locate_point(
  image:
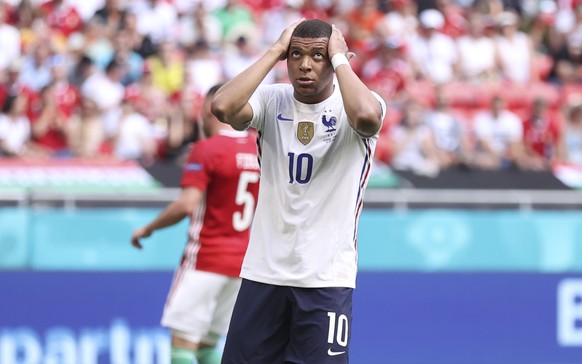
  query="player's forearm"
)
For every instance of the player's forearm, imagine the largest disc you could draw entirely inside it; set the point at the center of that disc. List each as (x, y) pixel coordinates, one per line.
(230, 100)
(363, 109)
(171, 215)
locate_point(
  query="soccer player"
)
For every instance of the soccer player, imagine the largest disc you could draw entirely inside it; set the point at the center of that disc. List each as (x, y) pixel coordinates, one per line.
(219, 192)
(316, 141)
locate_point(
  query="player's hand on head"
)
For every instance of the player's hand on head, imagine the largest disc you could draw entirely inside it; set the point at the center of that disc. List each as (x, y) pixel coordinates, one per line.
(337, 44)
(284, 40)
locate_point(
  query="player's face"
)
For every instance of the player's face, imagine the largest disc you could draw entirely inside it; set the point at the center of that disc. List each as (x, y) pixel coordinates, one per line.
(310, 71)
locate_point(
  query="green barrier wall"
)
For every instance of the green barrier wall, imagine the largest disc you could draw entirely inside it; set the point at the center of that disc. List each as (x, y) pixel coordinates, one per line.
(457, 240)
(86, 239)
(424, 240)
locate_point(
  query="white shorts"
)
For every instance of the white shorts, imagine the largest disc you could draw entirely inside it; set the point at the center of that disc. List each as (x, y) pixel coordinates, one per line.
(199, 305)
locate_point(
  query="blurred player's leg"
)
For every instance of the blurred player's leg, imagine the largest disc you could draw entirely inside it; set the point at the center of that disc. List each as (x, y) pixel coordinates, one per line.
(189, 314)
(182, 356)
(220, 321)
(210, 355)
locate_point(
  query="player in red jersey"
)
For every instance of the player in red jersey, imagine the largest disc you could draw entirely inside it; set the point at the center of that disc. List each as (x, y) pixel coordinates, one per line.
(219, 193)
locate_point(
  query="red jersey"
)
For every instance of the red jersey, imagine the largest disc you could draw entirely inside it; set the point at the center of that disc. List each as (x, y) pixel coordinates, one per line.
(541, 136)
(32, 97)
(68, 98)
(225, 166)
(65, 19)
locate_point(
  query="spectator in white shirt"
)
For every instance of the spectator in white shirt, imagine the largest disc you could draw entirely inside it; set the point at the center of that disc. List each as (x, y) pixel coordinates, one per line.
(242, 54)
(198, 25)
(36, 67)
(15, 129)
(107, 92)
(9, 41)
(155, 18)
(514, 50)
(433, 54)
(499, 135)
(476, 52)
(276, 19)
(450, 134)
(402, 21)
(413, 144)
(135, 137)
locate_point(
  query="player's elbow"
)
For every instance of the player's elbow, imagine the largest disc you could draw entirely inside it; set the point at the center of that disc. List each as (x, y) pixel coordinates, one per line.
(219, 109)
(367, 124)
(182, 208)
(227, 114)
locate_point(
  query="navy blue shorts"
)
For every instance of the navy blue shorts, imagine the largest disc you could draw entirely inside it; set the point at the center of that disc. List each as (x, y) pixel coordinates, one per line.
(279, 324)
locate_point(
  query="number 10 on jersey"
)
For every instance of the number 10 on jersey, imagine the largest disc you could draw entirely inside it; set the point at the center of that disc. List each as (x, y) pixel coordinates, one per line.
(300, 167)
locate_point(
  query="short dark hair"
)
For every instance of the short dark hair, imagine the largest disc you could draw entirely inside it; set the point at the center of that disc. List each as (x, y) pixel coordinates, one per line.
(312, 28)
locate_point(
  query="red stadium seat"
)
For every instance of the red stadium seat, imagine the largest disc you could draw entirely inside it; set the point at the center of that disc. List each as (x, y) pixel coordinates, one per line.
(459, 94)
(547, 91)
(393, 116)
(422, 92)
(485, 92)
(516, 96)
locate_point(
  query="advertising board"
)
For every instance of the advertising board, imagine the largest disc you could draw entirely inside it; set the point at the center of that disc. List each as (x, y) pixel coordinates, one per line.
(399, 318)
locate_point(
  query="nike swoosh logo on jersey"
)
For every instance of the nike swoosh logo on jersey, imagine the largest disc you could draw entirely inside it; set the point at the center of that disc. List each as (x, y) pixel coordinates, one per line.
(280, 117)
(334, 353)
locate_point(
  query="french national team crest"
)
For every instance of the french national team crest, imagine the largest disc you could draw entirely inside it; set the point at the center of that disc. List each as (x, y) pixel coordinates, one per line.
(305, 132)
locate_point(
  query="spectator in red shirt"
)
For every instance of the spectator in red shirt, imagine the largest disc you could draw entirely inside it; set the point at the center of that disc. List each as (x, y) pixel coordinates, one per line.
(12, 85)
(541, 133)
(63, 18)
(312, 10)
(455, 21)
(67, 95)
(388, 71)
(49, 129)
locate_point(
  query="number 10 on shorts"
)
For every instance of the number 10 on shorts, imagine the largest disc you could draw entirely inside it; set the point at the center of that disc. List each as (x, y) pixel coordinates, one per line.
(338, 329)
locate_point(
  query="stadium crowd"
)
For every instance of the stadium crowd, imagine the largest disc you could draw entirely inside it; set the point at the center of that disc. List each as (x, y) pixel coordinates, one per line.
(487, 84)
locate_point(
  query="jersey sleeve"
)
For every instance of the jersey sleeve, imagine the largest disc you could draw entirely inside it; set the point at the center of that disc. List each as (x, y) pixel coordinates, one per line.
(382, 106)
(195, 172)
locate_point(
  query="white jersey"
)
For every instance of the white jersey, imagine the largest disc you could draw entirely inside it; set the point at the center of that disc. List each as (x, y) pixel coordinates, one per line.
(314, 169)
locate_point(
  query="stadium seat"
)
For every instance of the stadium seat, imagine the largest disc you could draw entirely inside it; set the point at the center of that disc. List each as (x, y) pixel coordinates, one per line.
(516, 96)
(459, 94)
(484, 93)
(422, 92)
(393, 117)
(546, 91)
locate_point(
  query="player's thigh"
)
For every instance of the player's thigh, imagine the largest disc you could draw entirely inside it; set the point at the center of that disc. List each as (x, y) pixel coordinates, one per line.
(259, 327)
(321, 326)
(191, 302)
